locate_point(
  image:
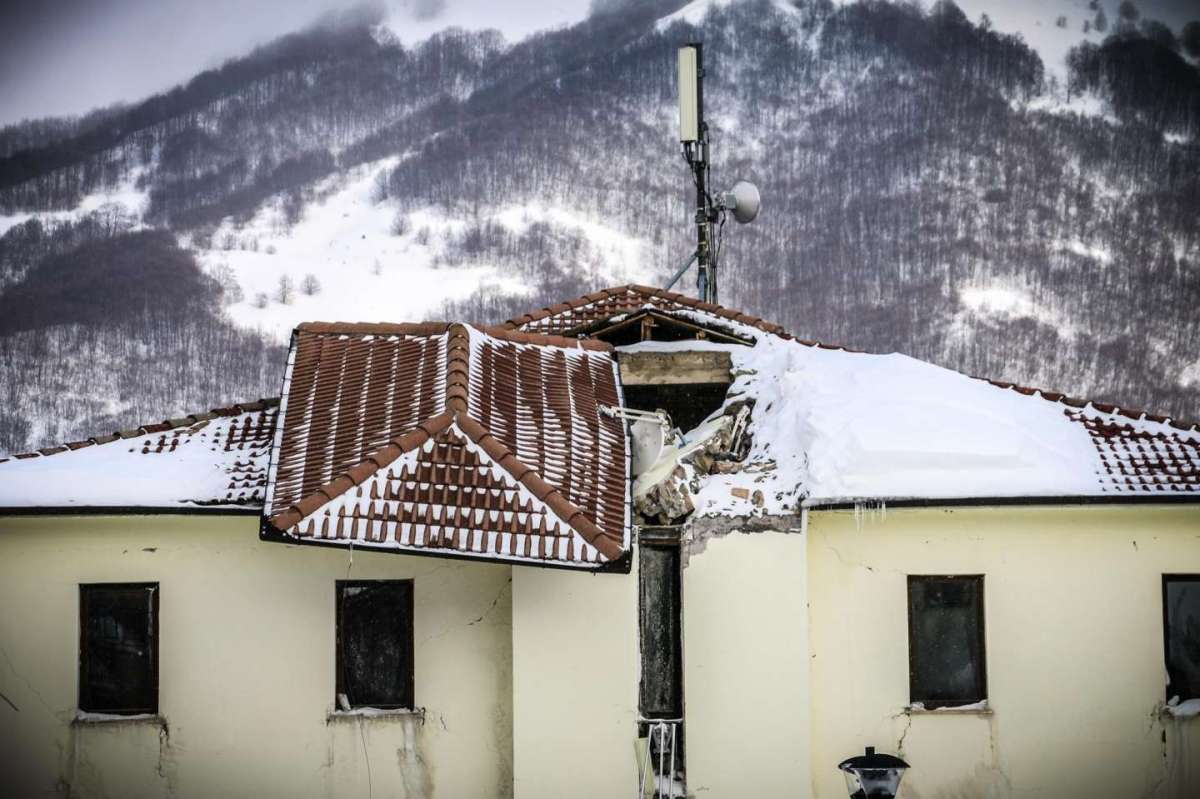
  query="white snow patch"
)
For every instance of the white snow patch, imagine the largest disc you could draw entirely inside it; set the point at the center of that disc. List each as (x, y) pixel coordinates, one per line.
(1086, 104)
(695, 12)
(1190, 375)
(124, 198)
(1035, 21)
(1101, 254)
(1013, 301)
(85, 717)
(365, 271)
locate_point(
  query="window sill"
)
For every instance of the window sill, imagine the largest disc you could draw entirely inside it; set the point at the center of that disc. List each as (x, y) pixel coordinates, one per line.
(974, 709)
(381, 714)
(150, 719)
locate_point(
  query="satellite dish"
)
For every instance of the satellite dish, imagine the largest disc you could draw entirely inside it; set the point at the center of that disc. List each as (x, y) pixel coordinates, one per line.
(649, 438)
(744, 200)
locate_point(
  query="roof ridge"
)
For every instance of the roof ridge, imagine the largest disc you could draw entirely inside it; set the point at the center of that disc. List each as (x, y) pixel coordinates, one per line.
(522, 337)
(375, 328)
(458, 368)
(355, 475)
(777, 330)
(154, 427)
(529, 477)
(1060, 398)
(442, 328)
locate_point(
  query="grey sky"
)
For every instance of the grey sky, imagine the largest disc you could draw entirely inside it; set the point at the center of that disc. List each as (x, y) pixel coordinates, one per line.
(70, 56)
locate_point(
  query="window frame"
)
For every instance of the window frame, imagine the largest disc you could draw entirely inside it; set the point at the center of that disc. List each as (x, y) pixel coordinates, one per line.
(83, 698)
(1183, 577)
(981, 667)
(409, 685)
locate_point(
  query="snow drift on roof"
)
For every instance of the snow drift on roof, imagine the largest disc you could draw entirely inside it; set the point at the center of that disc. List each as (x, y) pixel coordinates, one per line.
(831, 425)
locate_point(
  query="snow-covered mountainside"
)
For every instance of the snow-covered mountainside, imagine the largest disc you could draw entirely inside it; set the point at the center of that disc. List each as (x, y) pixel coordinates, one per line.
(1020, 206)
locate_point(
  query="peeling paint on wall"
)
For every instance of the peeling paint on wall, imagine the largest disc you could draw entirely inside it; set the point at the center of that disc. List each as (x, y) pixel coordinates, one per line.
(698, 532)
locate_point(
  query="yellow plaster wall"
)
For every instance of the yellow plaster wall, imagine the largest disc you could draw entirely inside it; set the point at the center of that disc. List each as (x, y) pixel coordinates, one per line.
(246, 668)
(745, 659)
(1073, 618)
(575, 683)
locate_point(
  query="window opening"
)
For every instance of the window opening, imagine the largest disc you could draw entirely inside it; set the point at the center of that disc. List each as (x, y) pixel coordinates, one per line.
(118, 648)
(374, 644)
(946, 641)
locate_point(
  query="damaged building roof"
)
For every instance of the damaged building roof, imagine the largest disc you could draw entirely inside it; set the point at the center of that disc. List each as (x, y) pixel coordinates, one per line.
(451, 439)
(833, 425)
(490, 442)
(216, 460)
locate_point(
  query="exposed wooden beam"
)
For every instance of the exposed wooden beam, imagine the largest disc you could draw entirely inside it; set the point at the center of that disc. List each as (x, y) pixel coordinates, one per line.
(673, 368)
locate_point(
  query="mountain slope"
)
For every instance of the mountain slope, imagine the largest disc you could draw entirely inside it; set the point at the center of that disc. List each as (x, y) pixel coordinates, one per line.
(927, 188)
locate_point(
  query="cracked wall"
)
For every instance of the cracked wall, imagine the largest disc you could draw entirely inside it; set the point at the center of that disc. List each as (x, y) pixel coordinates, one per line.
(1073, 624)
(246, 668)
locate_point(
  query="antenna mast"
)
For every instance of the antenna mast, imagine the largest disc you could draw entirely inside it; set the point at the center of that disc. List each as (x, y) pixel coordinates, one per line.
(742, 200)
(693, 133)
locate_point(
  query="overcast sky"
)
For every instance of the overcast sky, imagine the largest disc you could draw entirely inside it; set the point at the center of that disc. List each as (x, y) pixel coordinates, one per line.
(70, 56)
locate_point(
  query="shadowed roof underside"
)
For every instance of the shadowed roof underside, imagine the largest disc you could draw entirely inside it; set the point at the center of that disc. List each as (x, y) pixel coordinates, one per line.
(451, 439)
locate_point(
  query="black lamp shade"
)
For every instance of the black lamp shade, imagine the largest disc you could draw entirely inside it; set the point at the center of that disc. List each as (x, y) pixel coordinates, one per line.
(873, 775)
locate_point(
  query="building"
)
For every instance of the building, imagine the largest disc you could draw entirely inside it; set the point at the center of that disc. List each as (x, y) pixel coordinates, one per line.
(456, 561)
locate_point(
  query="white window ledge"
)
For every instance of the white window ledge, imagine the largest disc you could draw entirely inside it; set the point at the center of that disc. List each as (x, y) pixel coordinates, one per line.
(382, 714)
(974, 709)
(151, 719)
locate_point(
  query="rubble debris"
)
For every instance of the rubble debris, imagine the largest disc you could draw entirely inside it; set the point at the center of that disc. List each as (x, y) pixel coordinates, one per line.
(663, 491)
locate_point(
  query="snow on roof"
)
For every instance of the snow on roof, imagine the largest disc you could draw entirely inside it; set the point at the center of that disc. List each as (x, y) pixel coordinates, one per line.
(521, 409)
(832, 425)
(216, 459)
(451, 439)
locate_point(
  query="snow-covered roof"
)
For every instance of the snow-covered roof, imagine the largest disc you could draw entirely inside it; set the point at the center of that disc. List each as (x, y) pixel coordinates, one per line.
(451, 439)
(215, 460)
(833, 426)
(519, 410)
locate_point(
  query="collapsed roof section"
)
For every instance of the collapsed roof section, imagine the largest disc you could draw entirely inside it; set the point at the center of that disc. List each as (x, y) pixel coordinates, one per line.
(834, 425)
(452, 440)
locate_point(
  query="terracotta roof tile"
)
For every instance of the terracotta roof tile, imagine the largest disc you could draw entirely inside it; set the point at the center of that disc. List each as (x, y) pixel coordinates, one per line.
(1146, 456)
(482, 441)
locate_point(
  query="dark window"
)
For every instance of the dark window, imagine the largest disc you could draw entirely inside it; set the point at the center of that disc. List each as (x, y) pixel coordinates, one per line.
(945, 641)
(661, 643)
(1181, 634)
(375, 643)
(118, 648)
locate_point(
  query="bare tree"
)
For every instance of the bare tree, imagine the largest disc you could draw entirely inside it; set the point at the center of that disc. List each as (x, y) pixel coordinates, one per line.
(285, 290)
(401, 225)
(310, 285)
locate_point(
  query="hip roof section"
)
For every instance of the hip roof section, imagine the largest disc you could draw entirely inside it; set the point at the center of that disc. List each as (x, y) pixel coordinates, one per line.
(448, 438)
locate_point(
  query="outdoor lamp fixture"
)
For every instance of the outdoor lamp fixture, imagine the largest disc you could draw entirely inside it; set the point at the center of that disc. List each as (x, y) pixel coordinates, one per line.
(873, 776)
